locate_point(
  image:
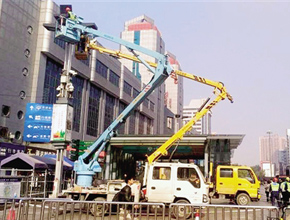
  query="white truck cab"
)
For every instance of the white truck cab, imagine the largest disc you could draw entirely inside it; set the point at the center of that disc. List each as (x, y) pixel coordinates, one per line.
(175, 183)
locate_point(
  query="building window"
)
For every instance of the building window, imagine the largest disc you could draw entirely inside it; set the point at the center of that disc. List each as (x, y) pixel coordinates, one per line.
(60, 43)
(169, 122)
(132, 123)
(6, 111)
(135, 67)
(17, 136)
(149, 125)
(109, 111)
(146, 103)
(114, 78)
(86, 62)
(25, 71)
(152, 106)
(51, 81)
(29, 29)
(27, 53)
(78, 84)
(121, 129)
(127, 88)
(20, 114)
(135, 93)
(101, 69)
(22, 94)
(93, 111)
(141, 123)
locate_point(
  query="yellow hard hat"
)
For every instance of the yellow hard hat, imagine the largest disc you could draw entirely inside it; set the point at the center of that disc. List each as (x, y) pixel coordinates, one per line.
(287, 178)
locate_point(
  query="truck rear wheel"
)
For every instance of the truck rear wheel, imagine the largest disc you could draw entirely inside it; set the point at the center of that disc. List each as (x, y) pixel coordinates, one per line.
(182, 211)
(98, 209)
(243, 199)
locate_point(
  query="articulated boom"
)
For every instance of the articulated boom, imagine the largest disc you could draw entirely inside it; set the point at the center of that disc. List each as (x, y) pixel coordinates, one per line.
(221, 95)
(71, 31)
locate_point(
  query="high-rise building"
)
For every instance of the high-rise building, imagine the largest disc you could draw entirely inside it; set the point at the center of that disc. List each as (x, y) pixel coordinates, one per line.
(174, 93)
(19, 21)
(202, 126)
(270, 145)
(142, 31)
(288, 151)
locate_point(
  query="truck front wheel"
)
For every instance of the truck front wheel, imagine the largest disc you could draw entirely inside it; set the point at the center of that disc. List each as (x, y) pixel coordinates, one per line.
(243, 199)
(98, 209)
(182, 211)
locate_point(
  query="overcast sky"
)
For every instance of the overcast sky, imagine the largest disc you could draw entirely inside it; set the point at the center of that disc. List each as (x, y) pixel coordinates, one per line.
(245, 45)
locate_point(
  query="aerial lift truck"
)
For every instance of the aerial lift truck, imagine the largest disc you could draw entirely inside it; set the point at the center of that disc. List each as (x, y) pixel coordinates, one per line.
(87, 165)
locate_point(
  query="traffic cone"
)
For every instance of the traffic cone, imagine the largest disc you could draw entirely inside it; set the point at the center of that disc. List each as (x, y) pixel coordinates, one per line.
(196, 215)
(11, 214)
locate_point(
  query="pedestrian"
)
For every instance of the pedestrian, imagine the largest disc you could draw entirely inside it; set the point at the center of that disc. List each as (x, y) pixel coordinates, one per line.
(274, 190)
(267, 189)
(285, 189)
(125, 195)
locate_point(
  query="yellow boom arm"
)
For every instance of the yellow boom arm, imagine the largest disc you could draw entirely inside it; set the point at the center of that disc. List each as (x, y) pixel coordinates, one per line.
(219, 90)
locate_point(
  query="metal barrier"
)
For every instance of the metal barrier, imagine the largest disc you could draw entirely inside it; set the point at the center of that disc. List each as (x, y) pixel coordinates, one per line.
(285, 213)
(63, 209)
(33, 184)
(100, 210)
(223, 212)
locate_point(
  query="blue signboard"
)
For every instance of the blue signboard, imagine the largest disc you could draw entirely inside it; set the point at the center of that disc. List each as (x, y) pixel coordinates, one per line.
(37, 125)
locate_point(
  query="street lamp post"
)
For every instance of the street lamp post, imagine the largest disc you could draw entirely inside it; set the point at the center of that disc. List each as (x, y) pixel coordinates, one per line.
(64, 98)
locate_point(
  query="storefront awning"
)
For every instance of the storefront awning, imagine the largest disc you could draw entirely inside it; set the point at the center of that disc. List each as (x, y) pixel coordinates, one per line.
(25, 161)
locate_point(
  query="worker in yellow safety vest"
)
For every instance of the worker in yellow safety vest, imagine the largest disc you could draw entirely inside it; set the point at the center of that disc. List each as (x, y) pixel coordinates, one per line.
(274, 190)
(70, 14)
(285, 189)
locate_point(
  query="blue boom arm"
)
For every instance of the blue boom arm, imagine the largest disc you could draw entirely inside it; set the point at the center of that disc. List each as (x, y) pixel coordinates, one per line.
(70, 31)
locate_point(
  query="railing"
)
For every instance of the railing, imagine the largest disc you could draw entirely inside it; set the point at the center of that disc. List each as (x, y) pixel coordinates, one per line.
(223, 212)
(60, 209)
(32, 183)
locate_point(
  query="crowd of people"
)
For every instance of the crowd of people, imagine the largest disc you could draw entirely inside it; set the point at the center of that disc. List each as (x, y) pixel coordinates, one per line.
(278, 191)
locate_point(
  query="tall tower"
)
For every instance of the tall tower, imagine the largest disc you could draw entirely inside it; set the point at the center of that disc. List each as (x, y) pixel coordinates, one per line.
(288, 151)
(270, 145)
(142, 31)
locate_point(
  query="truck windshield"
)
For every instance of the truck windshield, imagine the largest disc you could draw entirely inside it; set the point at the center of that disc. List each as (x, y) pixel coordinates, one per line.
(246, 174)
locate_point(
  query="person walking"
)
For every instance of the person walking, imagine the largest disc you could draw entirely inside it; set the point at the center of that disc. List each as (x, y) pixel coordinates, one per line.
(274, 190)
(285, 189)
(125, 195)
(267, 190)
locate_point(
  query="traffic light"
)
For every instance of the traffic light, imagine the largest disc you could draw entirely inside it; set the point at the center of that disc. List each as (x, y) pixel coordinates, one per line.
(74, 152)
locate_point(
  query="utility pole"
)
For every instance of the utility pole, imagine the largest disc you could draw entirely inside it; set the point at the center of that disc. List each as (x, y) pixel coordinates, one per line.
(65, 101)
